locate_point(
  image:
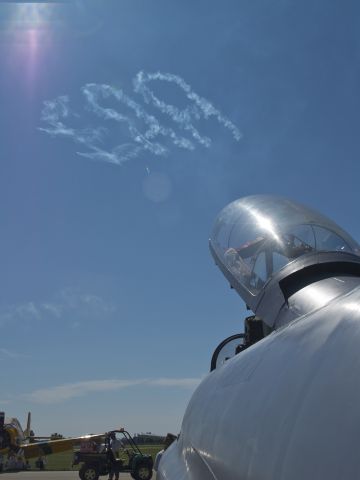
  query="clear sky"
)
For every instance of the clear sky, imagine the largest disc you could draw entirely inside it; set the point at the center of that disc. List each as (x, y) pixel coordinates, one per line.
(126, 125)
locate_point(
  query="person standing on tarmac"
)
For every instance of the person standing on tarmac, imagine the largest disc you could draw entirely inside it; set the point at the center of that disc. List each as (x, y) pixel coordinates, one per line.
(115, 445)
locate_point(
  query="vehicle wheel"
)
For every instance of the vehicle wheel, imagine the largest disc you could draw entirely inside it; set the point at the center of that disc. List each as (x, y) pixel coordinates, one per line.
(142, 472)
(88, 472)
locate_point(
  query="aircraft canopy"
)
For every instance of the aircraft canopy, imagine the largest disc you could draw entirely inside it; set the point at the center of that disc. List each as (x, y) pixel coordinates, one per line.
(256, 236)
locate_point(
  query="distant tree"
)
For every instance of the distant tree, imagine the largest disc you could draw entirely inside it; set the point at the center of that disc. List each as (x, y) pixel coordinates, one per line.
(56, 436)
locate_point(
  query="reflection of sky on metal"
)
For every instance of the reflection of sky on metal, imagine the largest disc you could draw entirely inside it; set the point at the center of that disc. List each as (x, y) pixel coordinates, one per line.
(353, 307)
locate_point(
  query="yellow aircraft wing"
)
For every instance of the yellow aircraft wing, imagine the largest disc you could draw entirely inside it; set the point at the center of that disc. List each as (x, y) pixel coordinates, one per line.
(37, 449)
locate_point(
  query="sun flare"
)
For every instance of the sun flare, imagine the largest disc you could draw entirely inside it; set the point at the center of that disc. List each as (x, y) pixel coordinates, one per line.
(32, 15)
(29, 27)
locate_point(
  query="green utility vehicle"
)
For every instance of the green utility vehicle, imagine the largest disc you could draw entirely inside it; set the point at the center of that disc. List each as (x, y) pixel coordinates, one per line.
(101, 460)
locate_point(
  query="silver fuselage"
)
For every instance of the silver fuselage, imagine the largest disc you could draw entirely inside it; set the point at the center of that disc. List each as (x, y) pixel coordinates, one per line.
(287, 408)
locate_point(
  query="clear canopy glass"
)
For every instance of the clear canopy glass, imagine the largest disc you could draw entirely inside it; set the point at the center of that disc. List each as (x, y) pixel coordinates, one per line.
(256, 236)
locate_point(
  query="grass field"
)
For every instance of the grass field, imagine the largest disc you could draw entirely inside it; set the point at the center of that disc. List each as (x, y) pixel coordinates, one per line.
(63, 461)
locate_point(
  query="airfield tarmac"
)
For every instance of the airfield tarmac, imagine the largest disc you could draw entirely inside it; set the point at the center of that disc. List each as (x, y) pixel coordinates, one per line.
(51, 475)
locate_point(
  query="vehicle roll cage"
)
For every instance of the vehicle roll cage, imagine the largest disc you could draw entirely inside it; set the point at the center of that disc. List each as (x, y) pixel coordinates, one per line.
(127, 436)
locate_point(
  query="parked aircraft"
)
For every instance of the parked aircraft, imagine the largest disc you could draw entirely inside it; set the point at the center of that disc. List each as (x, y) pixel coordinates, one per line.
(11, 432)
(14, 439)
(285, 406)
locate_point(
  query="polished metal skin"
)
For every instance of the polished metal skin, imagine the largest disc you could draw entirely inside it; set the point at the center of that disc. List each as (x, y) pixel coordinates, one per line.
(286, 408)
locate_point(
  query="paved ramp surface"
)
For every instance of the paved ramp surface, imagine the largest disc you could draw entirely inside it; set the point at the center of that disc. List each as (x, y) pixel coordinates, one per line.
(48, 475)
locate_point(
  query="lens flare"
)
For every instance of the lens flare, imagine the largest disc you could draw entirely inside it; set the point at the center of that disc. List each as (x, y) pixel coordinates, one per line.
(33, 14)
(29, 29)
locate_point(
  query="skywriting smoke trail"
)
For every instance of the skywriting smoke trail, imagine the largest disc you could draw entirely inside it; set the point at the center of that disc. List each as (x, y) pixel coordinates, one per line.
(144, 132)
(201, 107)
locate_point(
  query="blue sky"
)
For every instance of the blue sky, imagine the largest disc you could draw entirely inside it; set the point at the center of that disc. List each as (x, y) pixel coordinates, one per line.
(125, 127)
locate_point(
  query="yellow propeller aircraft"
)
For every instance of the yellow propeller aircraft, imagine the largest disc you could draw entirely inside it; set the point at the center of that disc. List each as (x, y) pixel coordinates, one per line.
(14, 439)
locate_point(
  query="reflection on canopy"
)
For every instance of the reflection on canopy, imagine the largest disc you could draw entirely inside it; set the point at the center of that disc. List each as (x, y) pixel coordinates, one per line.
(256, 236)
